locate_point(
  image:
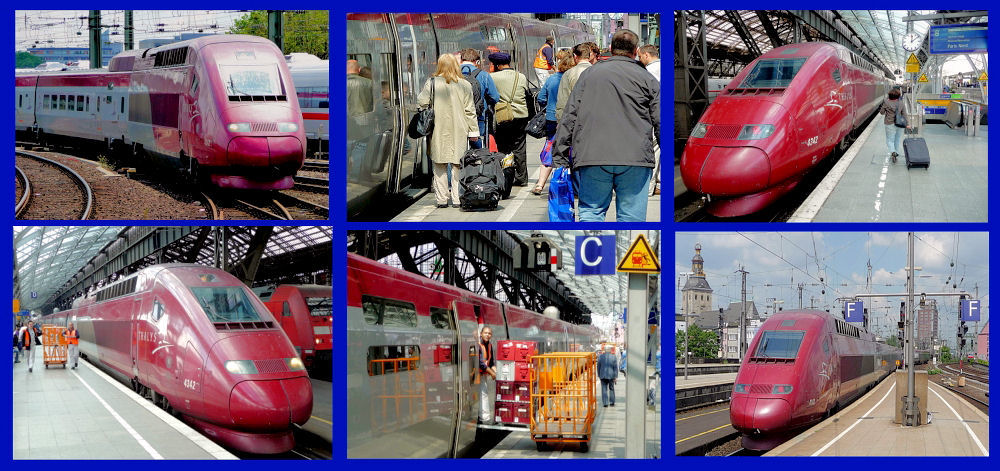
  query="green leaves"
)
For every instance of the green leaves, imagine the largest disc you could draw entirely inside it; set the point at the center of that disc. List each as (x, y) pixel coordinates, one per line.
(701, 343)
(305, 31)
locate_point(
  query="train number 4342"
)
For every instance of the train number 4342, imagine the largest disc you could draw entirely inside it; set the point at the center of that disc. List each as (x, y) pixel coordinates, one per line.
(191, 384)
(811, 141)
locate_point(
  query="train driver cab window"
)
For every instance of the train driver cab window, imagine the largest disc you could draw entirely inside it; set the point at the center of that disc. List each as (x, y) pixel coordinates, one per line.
(250, 80)
(441, 318)
(320, 307)
(225, 303)
(779, 344)
(773, 73)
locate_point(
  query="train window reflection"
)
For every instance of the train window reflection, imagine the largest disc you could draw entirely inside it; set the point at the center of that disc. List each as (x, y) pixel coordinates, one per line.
(313, 97)
(441, 318)
(779, 344)
(388, 312)
(246, 80)
(386, 359)
(772, 73)
(225, 304)
(320, 306)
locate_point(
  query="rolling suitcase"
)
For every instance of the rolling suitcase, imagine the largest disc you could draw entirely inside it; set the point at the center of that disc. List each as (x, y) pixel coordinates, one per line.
(915, 149)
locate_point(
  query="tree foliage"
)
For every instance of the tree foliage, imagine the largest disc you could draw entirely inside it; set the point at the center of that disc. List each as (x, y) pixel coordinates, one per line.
(701, 343)
(892, 341)
(26, 60)
(946, 355)
(305, 31)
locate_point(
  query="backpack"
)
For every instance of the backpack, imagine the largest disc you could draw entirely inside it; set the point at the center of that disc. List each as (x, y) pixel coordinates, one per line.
(477, 92)
(481, 179)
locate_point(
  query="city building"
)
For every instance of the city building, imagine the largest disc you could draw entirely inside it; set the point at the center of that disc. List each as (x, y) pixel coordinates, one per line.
(927, 323)
(696, 295)
(67, 55)
(983, 343)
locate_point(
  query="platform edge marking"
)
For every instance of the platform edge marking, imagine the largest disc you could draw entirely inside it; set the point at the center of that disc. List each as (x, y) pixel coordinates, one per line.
(972, 434)
(856, 422)
(128, 428)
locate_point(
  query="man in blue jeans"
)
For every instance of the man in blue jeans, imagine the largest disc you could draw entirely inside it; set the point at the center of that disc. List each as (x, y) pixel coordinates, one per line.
(606, 133)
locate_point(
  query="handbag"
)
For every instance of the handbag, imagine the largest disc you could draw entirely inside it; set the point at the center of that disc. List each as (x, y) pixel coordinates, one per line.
(536, 126)
(901, 121)
(561, 196)
(504, 110)
(422, 122)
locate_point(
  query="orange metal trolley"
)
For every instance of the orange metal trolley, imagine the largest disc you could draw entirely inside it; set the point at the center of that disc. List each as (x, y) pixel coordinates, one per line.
(563, 399)
(53, 345)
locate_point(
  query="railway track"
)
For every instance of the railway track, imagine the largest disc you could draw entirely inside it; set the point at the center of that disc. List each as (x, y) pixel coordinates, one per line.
(316, 165)
(299, 208)
(312, 184)
(226, 207)
(971, 375)
(47, 196)
(23, 192)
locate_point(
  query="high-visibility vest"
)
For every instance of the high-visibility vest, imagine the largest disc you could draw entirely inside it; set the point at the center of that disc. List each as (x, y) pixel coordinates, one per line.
(487, 354)
(540, 61)
(72, 338)
(27, 338)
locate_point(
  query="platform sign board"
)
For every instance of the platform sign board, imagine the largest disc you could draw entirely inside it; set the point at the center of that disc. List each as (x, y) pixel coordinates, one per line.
(958, 39)
(970, 310)
(639, 258)
(595, 255)
(912, 64)
(17, 305)
(923, 78)
(854, 311)
(982, 77)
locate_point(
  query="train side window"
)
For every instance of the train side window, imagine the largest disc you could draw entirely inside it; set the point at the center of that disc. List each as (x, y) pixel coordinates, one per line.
(194, 85)
(62, 102)
(71, 103)
(484, 33)
(826, 345)
(836, 74)
(87, 107)
(79, 102)
(157, 310)
(372, 308)
(107, 99)
(441, 318)
(20, 101)
(398, 314)
(387, 359)
(122, 104)
(285, 310)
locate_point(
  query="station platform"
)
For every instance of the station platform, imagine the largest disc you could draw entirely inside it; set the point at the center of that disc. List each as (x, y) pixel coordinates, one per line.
(866, 428)
(608, 440)
(522, 205)
(706, 368)
(866, 186)
(695, 381)
(85, 414)
(320, 423)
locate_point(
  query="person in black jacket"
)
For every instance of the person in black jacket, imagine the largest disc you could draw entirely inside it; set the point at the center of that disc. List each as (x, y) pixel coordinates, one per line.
(610, 123)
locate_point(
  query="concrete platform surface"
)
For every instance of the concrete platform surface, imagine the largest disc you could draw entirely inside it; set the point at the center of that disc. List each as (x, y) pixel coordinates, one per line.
(703, 380)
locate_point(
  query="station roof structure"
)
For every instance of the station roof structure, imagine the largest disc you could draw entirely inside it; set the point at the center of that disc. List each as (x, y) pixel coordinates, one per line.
(880, 31)
(46, 257)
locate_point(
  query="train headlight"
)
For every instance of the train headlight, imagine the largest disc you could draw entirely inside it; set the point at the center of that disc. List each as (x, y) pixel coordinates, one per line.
(699, 130)
(288, 127)
(781, 389)
(741, 388)
(239, 127)
(241, 367)
(294, 364)
(755, 131)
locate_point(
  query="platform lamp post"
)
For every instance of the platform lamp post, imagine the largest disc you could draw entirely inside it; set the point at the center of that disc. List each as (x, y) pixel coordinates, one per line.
(687, 327)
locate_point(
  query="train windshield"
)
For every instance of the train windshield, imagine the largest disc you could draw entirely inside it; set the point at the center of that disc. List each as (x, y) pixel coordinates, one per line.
(773, 73)
(249, 80)
(320, 306)
(779, 344)
(225, 304)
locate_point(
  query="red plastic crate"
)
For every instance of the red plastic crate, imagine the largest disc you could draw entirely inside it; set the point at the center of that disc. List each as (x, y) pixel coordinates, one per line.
(522, 413)
(522, 371)
(525, 349)
(522, 391)
(504, 412)
(442, 353)
(505, 390)
(507, 350)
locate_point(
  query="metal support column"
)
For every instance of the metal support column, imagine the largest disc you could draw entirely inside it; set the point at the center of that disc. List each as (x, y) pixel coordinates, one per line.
(910, 408)
(94, 24)
(129, 31)
(276, 28)
(635, 380)
(690, 74)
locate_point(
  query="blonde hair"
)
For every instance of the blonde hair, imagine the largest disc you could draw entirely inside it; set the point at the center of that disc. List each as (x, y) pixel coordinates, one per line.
(447, 67)
(565, 60)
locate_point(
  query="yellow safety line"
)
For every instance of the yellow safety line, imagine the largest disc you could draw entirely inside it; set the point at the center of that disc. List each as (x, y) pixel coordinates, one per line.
(706, 413)
(702, 433)
(321, 420)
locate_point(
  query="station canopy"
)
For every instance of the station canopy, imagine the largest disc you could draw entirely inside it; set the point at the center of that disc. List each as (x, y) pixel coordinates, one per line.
(45, 257)
(881, 30)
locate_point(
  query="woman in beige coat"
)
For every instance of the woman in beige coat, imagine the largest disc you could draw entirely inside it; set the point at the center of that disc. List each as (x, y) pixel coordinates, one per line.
(455, 125)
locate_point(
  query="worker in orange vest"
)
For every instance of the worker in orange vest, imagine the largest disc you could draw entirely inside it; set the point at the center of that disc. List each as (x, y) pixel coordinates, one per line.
(545, 60)
(72, 337)
(27, 339)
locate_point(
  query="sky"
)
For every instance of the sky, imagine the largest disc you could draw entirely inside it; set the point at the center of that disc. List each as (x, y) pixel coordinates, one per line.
(835, 264)
(62, 26)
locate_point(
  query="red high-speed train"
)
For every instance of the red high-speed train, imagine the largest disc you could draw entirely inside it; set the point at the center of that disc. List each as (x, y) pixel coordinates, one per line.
(221, 108)
(801, 367)
(197, 342)
(306, 315)
(411, 359)
(775, 120)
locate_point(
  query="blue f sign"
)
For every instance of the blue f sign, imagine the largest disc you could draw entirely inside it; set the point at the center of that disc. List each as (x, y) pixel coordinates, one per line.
(854, 311)
(595, 255)
(970, 310)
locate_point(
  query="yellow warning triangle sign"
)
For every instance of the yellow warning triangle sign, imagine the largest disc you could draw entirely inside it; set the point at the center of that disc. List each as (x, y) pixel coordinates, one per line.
(912, 60)
(639, 258)
(923, 78)
(982, 77)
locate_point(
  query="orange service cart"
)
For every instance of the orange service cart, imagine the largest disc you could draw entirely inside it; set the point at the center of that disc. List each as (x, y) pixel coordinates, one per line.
(54, 345)
(563, 398)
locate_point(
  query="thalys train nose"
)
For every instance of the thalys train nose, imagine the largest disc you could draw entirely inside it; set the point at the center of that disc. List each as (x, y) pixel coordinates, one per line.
(271, 404)
(763, 414)
(725, 171)
(271, 151)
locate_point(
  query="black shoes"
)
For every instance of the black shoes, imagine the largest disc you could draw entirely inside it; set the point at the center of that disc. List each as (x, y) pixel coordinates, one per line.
(442, 205)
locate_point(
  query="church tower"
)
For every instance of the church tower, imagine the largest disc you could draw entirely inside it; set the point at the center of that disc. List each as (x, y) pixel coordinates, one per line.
(696, 296)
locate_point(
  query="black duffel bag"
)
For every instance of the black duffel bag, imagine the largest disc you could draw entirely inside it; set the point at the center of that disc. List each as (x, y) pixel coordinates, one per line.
(536, 126)
(422, 123)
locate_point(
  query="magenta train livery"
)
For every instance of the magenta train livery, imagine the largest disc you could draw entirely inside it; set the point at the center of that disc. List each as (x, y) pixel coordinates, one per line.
(801, 367)
(775, 120)
(196, 341)
(411, 359)
(222, 108)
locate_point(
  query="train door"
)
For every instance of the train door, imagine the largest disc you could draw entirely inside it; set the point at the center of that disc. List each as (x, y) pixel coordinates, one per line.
(107, 117)
(138, 333)
(467, 318)
(417, 55)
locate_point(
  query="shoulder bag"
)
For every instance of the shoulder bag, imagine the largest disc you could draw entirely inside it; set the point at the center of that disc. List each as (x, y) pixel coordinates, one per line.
(422, 122)
(504, 110)
(900, 116)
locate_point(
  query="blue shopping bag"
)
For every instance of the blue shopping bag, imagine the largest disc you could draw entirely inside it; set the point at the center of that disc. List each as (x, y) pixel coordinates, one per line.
(546, 155)
(561, 196)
